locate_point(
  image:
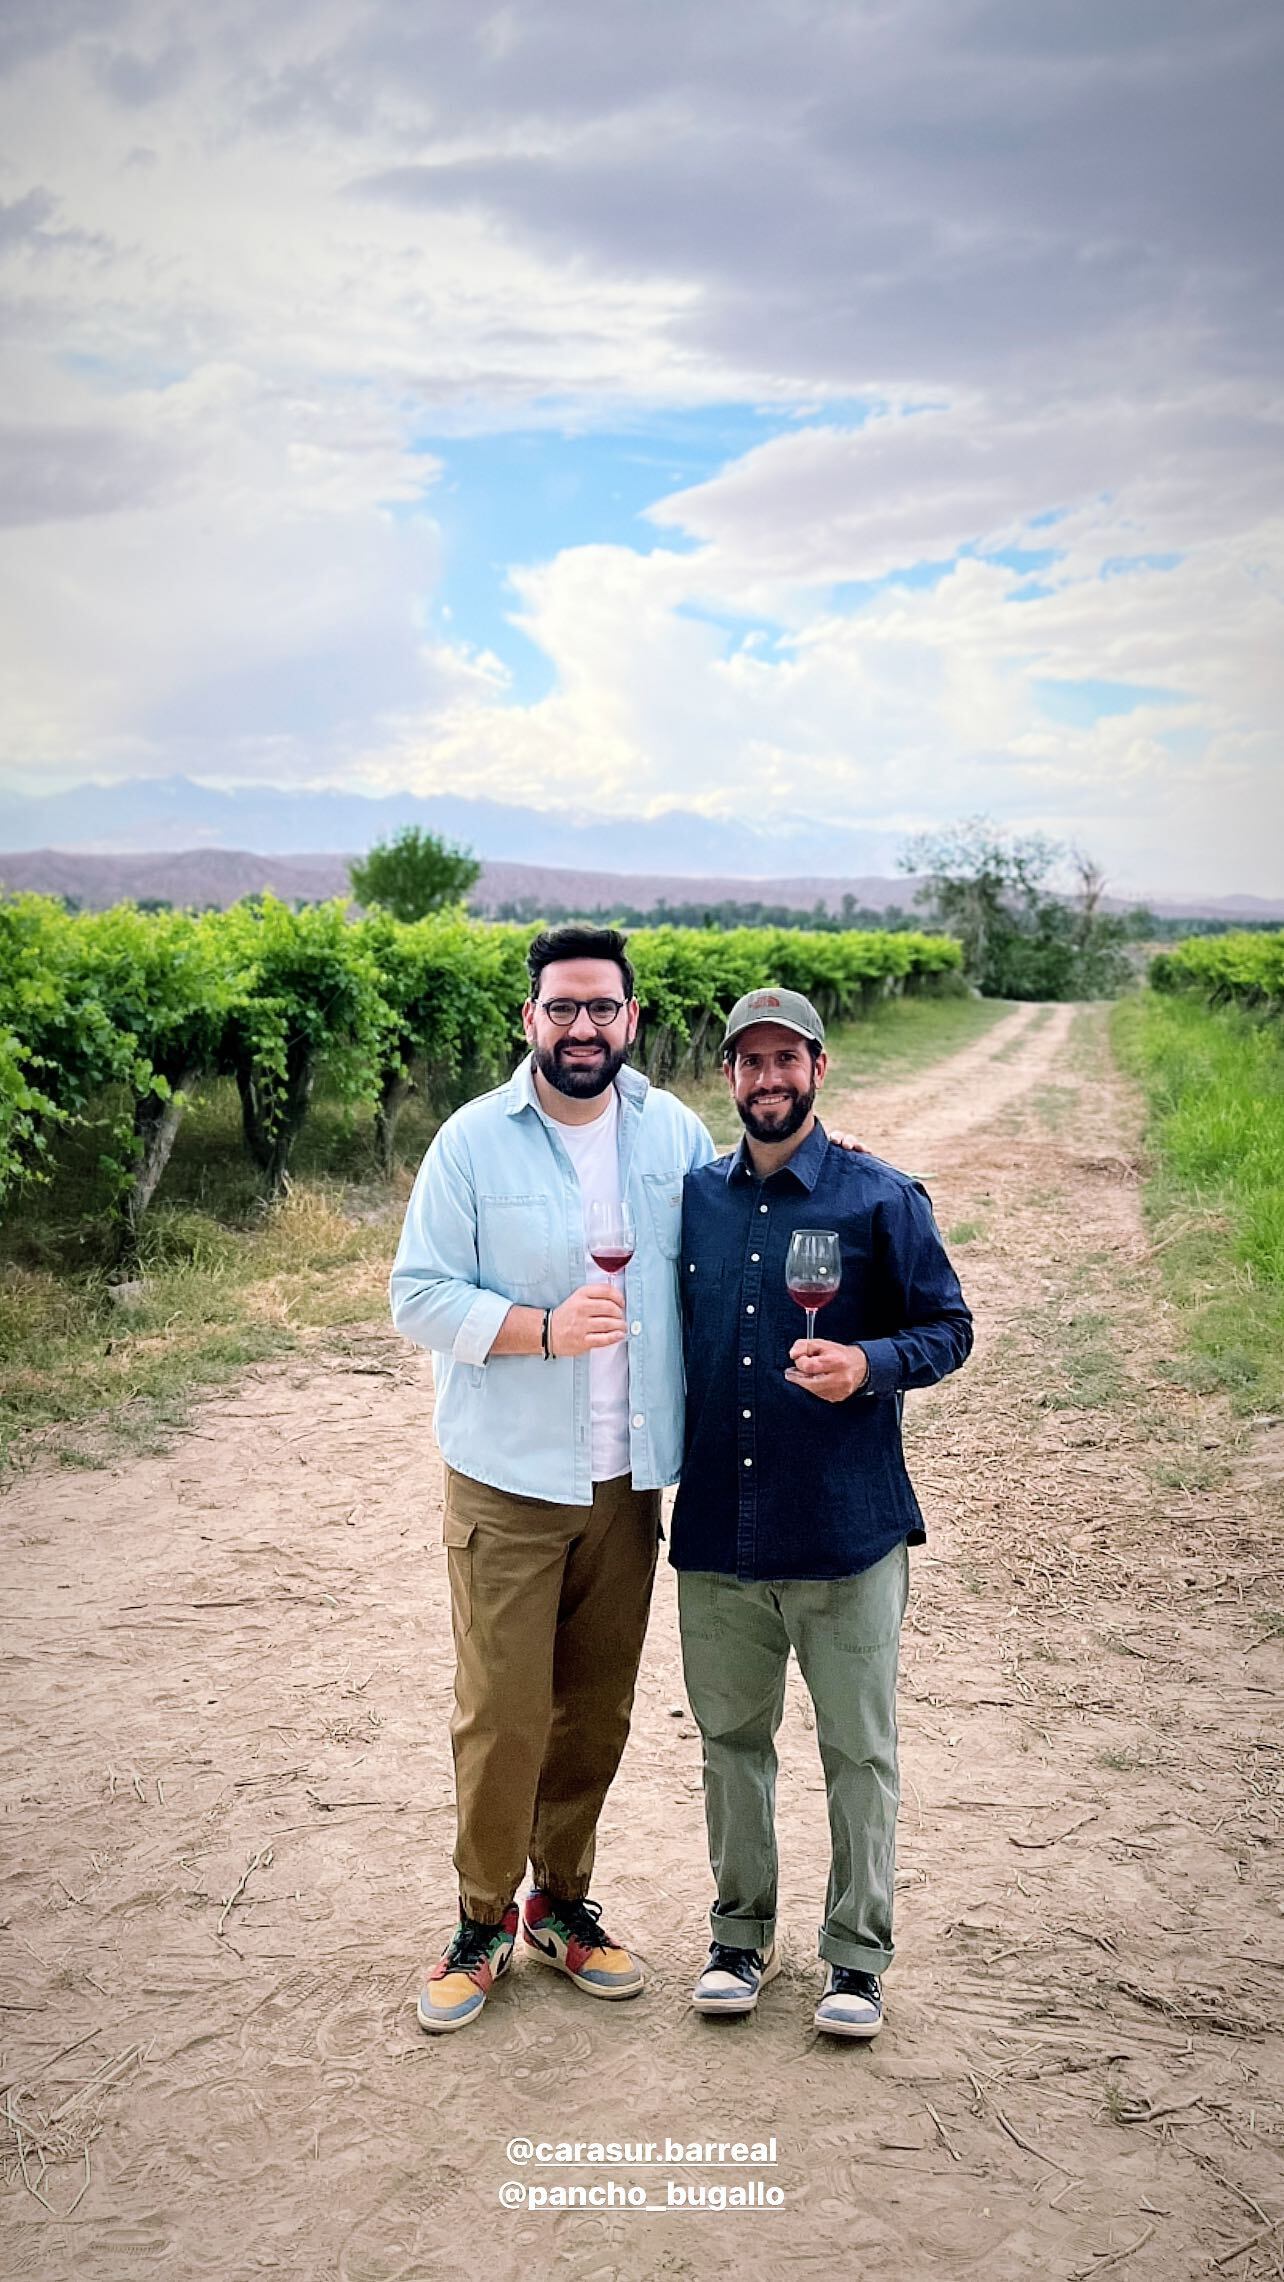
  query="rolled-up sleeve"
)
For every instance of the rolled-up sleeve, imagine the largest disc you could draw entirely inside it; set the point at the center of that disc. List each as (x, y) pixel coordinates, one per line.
(924, 1296)
(436, 1292)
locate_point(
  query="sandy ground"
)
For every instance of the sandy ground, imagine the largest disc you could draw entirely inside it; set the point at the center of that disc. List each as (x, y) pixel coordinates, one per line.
(227, 1814)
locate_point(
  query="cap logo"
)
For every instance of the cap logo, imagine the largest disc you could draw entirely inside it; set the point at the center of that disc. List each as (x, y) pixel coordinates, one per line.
(764, 998)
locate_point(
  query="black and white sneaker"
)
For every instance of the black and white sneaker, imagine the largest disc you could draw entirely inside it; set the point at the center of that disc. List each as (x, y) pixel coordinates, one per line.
(852, 2003)
(732, 1979)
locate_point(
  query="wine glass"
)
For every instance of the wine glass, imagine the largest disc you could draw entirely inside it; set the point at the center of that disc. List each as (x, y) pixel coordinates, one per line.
(612, 1237)
(813, 1270)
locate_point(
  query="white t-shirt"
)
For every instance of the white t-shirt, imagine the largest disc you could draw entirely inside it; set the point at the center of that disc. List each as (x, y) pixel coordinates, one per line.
(594, 1150)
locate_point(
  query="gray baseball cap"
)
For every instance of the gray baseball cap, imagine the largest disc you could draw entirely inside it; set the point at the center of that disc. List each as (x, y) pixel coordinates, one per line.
(787, 1007)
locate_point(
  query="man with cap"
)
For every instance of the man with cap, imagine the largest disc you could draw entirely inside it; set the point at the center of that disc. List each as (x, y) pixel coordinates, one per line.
(795, 1512)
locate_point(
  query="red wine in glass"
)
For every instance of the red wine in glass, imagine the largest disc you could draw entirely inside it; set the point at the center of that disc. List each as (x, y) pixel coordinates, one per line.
(612, 1238)
(813, 1296)
(813, 1270)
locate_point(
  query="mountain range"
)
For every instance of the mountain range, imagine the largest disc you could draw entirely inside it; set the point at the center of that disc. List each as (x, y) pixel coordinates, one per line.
(191, 844)
(160, 813)
(198, 878)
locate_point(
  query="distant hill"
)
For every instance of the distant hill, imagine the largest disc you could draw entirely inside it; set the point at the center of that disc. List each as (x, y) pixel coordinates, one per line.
(176, 813)
(198, 878)
(192, 877)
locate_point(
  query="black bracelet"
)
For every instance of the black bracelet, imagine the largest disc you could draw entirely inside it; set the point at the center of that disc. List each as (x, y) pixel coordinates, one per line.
(549, 1356)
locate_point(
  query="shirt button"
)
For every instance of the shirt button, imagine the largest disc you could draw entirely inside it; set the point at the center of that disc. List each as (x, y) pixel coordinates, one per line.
(746, 1414)
(747, 1361)
(691, 1268)
(748, 1461)
(762, 1208)
(755, 1255)
(639, 1418)
(749, 1309)
(635, 1328)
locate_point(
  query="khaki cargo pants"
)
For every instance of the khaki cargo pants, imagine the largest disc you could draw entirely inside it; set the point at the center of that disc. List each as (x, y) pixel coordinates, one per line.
(549, 1607)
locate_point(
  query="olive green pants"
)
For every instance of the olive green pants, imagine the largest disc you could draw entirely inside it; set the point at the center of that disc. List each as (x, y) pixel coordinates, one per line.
(845, 1632)
(549, 1608)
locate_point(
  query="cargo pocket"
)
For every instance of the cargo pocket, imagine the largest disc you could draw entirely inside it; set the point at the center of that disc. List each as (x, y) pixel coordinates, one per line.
(457, 1536)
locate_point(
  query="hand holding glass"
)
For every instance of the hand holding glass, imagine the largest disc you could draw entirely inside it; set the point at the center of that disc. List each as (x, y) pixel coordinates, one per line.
(612, 1238)
(813, 1270)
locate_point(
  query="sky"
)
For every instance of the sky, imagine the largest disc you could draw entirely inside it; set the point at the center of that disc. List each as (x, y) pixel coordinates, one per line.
(866, 410)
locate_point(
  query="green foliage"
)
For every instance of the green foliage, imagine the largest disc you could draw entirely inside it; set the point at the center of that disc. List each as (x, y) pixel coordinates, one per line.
(59, 1045)
(1020, 940)
(1214, 1082)
(413, 874)
(732, 912)
(1145, 927)
(689, 978)
(307, 988)
(127, 1012)
(1242, 969)
(451, 988)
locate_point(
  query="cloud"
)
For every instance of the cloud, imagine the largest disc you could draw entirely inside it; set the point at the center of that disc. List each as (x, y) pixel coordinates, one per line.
(1002, 281)
(60, 474)
(830, 504)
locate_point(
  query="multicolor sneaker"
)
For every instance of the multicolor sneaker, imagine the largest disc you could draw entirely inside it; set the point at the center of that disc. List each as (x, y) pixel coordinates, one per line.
(732, 1978)
(571, 1936)
(466, 1972)
(852, 2003)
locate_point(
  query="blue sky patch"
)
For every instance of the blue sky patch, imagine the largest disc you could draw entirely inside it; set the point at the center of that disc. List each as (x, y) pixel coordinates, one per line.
(1126, 566)
(520, 497)
(1078, 704)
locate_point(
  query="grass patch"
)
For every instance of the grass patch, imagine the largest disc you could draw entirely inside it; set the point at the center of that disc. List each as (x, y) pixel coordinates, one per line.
(1191, 1472)
(1054, 1105)
(226, 1283)
(1214, 1086)
(1080, 1348)
(964, 1232)
(1018, 1045)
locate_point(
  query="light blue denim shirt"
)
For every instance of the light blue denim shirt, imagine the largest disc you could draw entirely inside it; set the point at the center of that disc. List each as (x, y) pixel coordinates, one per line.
(496, 1219)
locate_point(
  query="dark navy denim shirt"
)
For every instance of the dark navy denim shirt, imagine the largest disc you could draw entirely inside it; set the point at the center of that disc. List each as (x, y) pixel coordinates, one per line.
(775, 1482)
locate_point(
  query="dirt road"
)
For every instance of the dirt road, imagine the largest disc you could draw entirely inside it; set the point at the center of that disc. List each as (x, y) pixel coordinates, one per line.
(228, 1814)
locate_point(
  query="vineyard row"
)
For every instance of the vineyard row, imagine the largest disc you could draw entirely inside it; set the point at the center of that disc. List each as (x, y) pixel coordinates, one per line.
(1244, 970)
(128, 1011)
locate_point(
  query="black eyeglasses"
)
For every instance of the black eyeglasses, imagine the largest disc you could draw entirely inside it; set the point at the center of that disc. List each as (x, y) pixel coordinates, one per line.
(563, 1011)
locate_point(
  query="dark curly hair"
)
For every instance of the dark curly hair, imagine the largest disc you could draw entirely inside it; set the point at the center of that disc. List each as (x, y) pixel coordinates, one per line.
(578, 940)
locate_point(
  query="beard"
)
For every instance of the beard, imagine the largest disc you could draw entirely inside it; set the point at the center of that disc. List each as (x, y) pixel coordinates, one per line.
(580, 1081)
(780, 1124)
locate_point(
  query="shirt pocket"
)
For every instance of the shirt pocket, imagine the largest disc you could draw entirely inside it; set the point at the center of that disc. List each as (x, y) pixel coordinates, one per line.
(514, 1242)
(663, 1192)
(700, 1277)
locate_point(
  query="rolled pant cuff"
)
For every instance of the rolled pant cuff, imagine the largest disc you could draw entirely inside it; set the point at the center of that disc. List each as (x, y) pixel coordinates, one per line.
(743, 1933)
(484, 1907)
(558, 1889)
(858, 1956)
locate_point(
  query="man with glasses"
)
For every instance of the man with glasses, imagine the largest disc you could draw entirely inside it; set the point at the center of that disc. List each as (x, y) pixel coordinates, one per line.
(559, 1416)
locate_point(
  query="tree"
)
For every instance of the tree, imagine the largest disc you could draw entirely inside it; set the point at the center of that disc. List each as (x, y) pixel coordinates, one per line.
(1020, 938)
(413, 873)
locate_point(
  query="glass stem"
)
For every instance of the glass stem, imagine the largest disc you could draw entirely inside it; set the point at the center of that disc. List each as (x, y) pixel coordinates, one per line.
(811, 1323)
